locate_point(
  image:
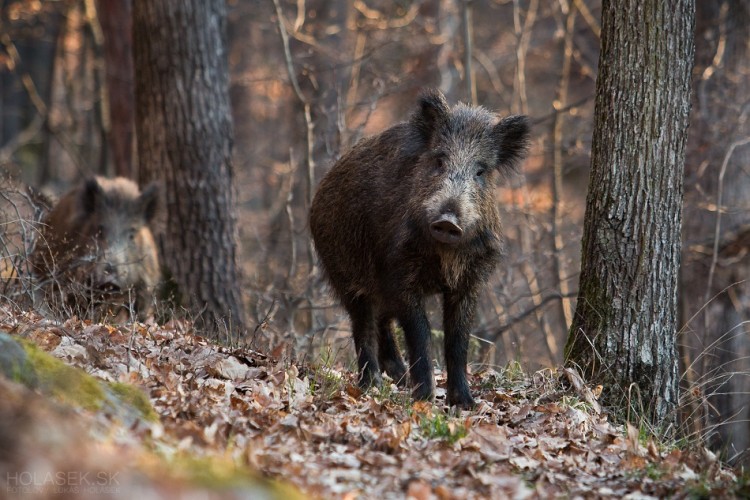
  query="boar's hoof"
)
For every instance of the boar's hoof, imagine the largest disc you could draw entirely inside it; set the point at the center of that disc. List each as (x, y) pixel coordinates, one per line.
(423, 392)
(370, 378)
(396, 370)
(446, 230)
(461, 399)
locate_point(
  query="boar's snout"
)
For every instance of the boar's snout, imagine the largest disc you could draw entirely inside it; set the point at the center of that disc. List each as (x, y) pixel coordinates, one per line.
(445, 229)
(110, 272)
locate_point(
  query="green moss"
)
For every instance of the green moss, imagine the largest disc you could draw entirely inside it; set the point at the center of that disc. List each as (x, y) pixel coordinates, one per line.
(219, 473)
(68, 384)
(654, 471)
(75, 387)
(593, 316)
(439, 426)
(14, 362)
(135, 398)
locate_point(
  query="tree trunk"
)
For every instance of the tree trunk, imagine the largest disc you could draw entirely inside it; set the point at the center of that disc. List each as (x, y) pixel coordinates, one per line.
(184, 132)
(116, 19)
(624, 329)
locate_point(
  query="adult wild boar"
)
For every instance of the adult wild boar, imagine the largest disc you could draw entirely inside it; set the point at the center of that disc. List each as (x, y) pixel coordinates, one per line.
(96, 251)
(409, 213)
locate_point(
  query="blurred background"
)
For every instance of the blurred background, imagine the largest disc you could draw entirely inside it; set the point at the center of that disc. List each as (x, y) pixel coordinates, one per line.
(66, 81)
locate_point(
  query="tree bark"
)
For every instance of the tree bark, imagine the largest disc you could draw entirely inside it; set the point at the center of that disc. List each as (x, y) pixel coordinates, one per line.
(116, 19)
(184, 131)
(624, 329)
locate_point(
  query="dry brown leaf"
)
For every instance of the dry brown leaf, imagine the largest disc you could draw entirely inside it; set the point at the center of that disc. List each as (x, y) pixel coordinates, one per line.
(524, 462)
(633, 440)
(653, 451)
(229, 368)
(419, 490)
(443, 492)
(422, 407)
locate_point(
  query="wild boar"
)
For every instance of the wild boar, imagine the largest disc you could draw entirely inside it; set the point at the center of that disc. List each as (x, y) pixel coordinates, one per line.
(96, 250)
(409, 213)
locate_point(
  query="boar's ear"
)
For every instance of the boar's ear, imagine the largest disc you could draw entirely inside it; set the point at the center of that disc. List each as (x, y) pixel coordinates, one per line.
(90, 195)
(149, 200)
(511, 137)
(433, 110)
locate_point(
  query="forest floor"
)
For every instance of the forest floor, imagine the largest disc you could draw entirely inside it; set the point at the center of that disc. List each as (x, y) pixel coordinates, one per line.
(235, 423)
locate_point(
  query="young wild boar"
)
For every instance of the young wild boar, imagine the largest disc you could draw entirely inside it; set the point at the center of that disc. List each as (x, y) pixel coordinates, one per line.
(96, 251)
(412, 212)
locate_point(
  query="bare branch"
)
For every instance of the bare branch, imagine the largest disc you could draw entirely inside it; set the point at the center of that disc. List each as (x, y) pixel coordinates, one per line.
(471, 90)
(308, 117)
(719, 211)
(557, 177)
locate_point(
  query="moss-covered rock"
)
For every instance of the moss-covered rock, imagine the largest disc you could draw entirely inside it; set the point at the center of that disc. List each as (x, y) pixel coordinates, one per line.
(65, 383)
(134, 398)
(216, 473)
(75, 387)
(14, 363)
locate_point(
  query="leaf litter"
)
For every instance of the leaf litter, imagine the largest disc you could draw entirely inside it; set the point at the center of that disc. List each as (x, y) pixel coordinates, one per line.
(537, 436)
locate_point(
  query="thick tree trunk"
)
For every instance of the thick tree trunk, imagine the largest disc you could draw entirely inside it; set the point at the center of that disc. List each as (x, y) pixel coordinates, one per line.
(624, 329)
(184, 131)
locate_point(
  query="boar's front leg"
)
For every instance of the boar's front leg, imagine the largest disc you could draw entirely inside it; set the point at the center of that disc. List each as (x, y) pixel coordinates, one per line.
(418, 339)
(365, 341)
(458, 316)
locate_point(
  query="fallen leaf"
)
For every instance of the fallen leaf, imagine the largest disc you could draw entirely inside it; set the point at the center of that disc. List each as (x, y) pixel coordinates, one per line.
(229, 368)
(419, 490)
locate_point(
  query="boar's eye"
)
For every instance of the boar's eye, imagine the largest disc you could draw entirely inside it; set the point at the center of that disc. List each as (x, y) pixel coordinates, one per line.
(481, 170)
(131, 234)
(439, 163)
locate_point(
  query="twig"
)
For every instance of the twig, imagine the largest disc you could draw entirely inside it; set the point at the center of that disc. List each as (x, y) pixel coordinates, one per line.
(383, 22)
(471, 90)
(308, 119)
(524, 34)
(290, 216)
(721, 44)
(519, 317)
(22, 138)
(588, 17)
(717, 228)
(351, 95)
(448, 23)
(557, 163)
(489, 67)
(300, 19)
(38, 102)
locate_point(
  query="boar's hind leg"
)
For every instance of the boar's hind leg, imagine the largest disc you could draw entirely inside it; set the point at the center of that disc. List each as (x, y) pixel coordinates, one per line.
(365, 340)
(458, 315)
(388, 355)
(418, 336)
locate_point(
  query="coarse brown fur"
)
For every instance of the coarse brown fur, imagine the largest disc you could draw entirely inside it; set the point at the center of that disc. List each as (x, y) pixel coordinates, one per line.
(96, 250)
(409, 213)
